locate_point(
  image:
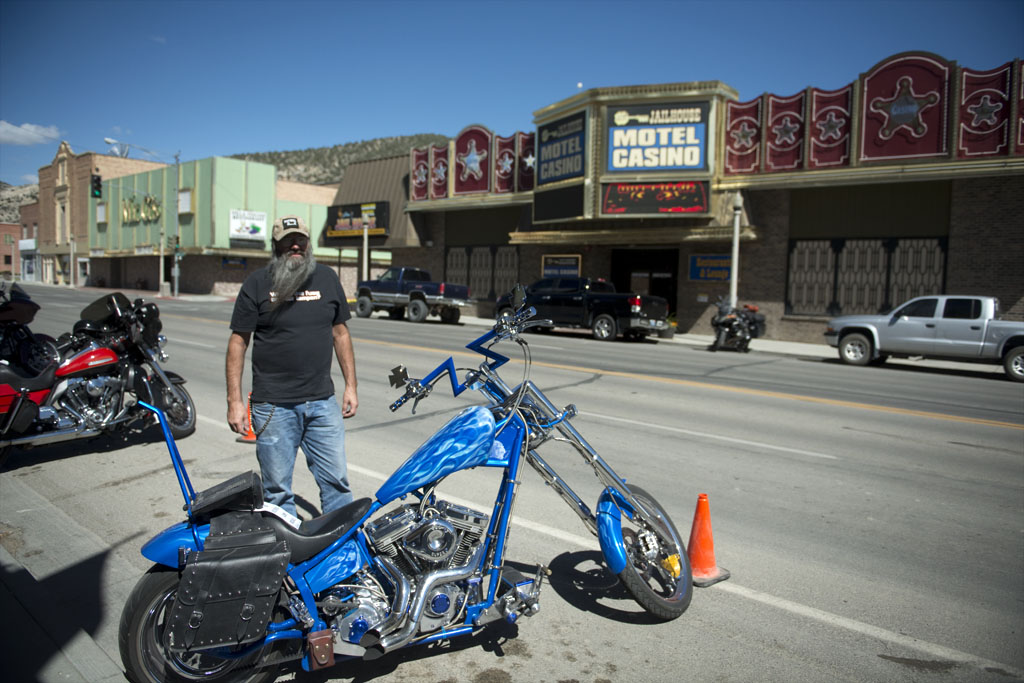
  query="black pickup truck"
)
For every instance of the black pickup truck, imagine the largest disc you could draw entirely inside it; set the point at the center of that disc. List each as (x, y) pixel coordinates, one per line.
(398, 289)
(582, 302)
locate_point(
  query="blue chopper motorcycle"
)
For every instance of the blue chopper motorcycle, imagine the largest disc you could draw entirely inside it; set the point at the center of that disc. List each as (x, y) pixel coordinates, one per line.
(242, 586)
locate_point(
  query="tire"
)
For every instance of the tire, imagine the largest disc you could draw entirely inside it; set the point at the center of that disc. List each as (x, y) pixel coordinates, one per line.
(418, 311)
(604, 328)
(364, 307)
(652, 585)
(396, 313)
(855, 349)
(450, 316)
(140, 639)
(1013, 364)
(180, 414)
(719, 341)
(5, 453)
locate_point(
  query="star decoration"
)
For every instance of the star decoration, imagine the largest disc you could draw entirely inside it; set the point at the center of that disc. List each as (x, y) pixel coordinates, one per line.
(440, 173)
(831, 127)
(785, 132)
(419, 177)
(904, 110)
(743, 136)
(528, 162)
(471, 161)
(985, 111)
(505, 162)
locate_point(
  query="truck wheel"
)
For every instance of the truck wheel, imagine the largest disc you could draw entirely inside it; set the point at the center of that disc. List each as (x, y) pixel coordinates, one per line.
(364, 307)
(1013, 363)
(396, 312)
(450, 316)
(418, 311)
(604, 327)
(855, 349)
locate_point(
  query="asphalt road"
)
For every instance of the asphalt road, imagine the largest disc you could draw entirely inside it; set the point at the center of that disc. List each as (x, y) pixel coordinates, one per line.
(872, 518)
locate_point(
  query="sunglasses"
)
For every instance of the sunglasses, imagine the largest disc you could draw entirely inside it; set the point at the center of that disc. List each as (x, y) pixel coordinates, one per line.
(288, 241)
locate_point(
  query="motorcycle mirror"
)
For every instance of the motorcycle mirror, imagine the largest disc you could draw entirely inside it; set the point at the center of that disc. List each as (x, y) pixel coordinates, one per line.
(518, 296)
(138, 302)
(399, 376)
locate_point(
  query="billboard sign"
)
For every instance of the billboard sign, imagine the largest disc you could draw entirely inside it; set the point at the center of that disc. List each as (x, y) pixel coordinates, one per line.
(247, 225)
(560, 149)
(658, 137)
(349, 220)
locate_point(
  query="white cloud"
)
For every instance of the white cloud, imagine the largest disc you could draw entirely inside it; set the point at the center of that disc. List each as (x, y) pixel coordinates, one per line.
(159, 39)
(27, 134)
(30, 179)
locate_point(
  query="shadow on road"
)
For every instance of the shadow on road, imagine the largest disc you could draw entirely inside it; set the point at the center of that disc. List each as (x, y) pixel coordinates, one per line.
(38, 455)
(583, 581)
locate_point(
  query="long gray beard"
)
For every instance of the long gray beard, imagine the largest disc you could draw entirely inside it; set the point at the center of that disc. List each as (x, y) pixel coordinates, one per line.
(288, 274)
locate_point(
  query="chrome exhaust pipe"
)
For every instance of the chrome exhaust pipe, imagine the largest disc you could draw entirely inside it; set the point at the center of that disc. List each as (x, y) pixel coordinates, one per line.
(404, 635)
(47, 438)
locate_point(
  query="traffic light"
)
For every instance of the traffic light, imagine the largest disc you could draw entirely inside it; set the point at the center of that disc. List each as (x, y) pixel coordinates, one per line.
(97, 187)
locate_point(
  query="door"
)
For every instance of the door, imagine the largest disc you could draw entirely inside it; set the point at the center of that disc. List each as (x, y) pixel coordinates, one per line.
(961, 328)
(539, 295)
(911, 328)
(566, 302)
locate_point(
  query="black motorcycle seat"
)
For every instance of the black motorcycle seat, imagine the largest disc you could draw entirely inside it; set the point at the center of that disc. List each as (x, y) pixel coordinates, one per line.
(12, 375)
(315, 534)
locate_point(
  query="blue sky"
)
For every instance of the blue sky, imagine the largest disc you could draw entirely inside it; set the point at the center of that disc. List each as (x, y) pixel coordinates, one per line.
(225, 77)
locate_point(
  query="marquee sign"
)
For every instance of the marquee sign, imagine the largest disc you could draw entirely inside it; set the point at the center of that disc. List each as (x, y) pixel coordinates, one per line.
(349, 220)
(655, 198)
(658, 137)
(561, 154)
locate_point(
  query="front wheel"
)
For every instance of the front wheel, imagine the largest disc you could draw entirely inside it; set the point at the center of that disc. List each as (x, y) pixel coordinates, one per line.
(855, 349)
(719, 341)
(179, 409)
(140, 638)
(657, 572)
(1013, 363)
(364, 307)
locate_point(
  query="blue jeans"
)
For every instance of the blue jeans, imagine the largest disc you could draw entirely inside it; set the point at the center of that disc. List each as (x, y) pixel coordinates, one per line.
(318, 427)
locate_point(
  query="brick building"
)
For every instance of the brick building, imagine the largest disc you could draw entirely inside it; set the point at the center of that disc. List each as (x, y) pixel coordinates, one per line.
(10, 259)
(29, 216)
(909, 180)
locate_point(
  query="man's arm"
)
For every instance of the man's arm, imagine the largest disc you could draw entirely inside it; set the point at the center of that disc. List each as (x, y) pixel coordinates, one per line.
(347, 361)
(237, 344)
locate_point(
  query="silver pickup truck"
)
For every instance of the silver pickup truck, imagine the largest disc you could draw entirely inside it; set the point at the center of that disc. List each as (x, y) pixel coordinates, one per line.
(963, 328)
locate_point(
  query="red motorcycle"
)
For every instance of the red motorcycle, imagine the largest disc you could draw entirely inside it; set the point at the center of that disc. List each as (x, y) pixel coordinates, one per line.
(93, 378)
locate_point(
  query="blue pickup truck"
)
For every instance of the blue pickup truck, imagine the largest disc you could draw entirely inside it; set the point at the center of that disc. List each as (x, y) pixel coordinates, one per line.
(410, 292)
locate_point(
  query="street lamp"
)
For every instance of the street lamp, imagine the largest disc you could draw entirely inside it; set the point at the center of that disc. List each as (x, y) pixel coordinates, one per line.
(122, 149)
(734, 270)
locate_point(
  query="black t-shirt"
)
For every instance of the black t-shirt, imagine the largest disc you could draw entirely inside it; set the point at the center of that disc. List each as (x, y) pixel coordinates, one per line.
(293, 344)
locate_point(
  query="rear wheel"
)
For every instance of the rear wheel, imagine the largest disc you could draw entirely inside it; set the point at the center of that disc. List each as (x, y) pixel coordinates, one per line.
(855, 349)
(418, 311)
(364, 307)
(451, 315)
(657, 572)
(396, 313)
(144, 656)
(604, 327)
(1013, 364)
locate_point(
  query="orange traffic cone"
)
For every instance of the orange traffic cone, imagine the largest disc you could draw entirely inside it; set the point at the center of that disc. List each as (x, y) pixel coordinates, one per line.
(701, 548)
(249, 436)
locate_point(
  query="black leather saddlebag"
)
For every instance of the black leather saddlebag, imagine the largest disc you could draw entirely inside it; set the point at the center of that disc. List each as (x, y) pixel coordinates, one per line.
(228, 590)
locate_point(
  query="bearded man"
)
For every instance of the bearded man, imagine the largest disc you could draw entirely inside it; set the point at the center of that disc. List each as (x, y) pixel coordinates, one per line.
(295, 311)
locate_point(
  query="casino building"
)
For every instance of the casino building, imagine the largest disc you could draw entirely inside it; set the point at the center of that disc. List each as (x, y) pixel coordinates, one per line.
(908, 180)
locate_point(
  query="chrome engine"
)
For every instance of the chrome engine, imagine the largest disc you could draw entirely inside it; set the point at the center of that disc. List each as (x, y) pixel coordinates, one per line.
(424, 547)
(95, 400)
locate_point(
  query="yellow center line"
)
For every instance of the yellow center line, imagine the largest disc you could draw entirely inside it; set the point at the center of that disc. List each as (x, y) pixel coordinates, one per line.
(701, 385)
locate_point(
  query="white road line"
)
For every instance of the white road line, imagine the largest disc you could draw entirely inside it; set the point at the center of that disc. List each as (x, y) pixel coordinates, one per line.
(177, 340)
(589, 543)
(718, 437)
(931, 649)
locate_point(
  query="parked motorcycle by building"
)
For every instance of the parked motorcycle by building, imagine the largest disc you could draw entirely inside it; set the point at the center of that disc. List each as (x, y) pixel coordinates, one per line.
(735, 327)
(242, 586)
(94, 380)
(19, 346)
